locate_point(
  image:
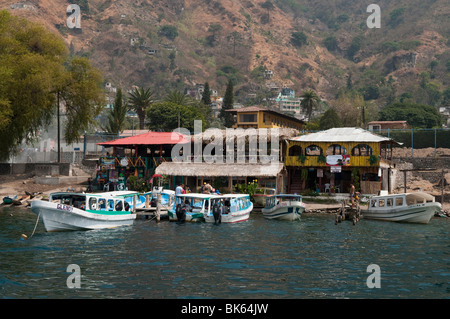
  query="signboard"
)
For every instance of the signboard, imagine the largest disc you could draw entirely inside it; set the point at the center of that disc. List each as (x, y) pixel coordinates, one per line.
(335, 169)
(338, 160)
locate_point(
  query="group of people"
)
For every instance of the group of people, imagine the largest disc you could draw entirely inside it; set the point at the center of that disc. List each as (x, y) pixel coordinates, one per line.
(205, 189)
(182, 189)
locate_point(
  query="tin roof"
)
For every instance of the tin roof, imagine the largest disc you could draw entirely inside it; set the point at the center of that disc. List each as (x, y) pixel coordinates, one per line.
(342, 134)
(150, 138)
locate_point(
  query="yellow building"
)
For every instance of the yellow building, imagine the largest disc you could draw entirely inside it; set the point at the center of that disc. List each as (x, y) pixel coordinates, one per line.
(333, 159)
(260, 117)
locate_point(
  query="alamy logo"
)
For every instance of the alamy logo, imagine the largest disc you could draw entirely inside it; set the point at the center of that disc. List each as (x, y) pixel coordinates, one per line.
(74, 18)
(74, 280)
(374, 20)
(374, 280)
(251, 146)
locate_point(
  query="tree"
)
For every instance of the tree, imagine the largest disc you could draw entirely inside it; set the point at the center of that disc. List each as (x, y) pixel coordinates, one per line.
(140, 100)
(299, 38)
(329, 119)
(169, 31)
(269, 6)
(83, 97)
(117, 115)
(310, 101)
(165, 116)
(228, 102)
(417, 115)
(35, 74)
(206, 96)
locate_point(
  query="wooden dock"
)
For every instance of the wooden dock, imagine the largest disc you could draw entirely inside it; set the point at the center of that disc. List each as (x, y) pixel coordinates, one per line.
(147, 212)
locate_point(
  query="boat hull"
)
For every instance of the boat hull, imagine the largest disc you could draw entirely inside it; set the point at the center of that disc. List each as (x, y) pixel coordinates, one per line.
(190, 217)
(287, 212)
(419, 213)
(58, 217)
(232, 217)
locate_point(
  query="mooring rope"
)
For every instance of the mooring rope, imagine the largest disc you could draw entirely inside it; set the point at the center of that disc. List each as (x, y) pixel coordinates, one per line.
(35, 225)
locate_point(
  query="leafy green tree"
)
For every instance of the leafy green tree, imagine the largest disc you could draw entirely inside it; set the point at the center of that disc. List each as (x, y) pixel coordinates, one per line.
(83, 97)
(299, 38)
(329, 119)
(35, 74)
(228, 102)
(140, 99)
(310, 101)
(117, 115)
(417, 115)
(330, 43)
(169, 31)
(165, 115)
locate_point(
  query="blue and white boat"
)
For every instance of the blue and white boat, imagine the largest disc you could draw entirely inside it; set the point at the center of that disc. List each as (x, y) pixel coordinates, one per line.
(190, 207)
(283, 207)
(80, 211)
(228, 208)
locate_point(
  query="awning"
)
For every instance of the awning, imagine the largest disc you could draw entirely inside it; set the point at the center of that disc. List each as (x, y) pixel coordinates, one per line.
(150, 138)
(216, 170)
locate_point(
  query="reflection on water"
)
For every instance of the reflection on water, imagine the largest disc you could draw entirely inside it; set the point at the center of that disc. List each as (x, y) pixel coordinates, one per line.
(259, 258)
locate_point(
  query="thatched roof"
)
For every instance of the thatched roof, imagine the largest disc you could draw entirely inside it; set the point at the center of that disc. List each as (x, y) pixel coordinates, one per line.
(222, 169)
(213, 133)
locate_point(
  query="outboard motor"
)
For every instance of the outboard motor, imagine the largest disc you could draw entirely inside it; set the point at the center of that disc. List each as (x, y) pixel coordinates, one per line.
(217, 213)
(181, 213)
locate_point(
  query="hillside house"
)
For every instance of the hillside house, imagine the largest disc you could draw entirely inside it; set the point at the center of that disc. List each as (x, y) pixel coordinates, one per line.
(261, 117)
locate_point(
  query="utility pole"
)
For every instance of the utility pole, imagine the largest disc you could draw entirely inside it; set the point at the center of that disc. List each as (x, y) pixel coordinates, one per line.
(59, 136)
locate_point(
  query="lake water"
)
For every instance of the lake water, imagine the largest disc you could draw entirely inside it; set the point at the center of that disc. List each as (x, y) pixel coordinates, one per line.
(258, 258)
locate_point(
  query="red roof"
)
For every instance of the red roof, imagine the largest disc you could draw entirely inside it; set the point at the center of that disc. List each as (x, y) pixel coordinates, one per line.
(150, 138)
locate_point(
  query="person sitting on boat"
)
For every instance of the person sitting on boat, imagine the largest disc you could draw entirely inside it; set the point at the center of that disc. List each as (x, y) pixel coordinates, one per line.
(187, 206)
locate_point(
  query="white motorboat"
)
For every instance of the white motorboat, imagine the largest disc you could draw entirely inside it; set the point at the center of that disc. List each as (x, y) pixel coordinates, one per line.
(228, 208)
(417, 207)
(189, 207)
(78, 211)
(283, 207)
(261, 194)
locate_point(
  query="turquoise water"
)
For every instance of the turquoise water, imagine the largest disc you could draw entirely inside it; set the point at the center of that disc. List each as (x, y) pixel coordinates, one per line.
(259, 258)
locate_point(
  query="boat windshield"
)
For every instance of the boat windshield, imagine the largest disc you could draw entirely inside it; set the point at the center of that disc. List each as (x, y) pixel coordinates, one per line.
(70, 199)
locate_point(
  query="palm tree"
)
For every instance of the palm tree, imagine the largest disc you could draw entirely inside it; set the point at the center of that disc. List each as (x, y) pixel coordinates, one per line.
(310, 101)
(179, 98)
(140, 100)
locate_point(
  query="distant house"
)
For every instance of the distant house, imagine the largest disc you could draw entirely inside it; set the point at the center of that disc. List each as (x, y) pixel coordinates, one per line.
(261, 117)
(384, 125)
(287, 102)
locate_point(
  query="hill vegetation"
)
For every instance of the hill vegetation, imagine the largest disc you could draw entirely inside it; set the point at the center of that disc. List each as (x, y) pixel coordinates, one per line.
(324, 46)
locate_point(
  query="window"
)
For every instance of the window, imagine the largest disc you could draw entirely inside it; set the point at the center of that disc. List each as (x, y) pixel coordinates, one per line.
(110, 204)
(248, 118)
(313, 150)
(336, 149)
(381, 203)
(93, 203)
(390, 202)
(399, 201)
(295, 150)
(362, 150)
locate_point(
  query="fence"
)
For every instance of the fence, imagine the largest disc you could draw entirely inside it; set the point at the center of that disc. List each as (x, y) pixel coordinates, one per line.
(419, 138)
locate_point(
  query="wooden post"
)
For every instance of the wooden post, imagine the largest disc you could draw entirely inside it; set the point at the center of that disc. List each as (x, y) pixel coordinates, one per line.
(442, 188)
(147, 202)
(404, 180)
(134, 203)
(158, 207)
